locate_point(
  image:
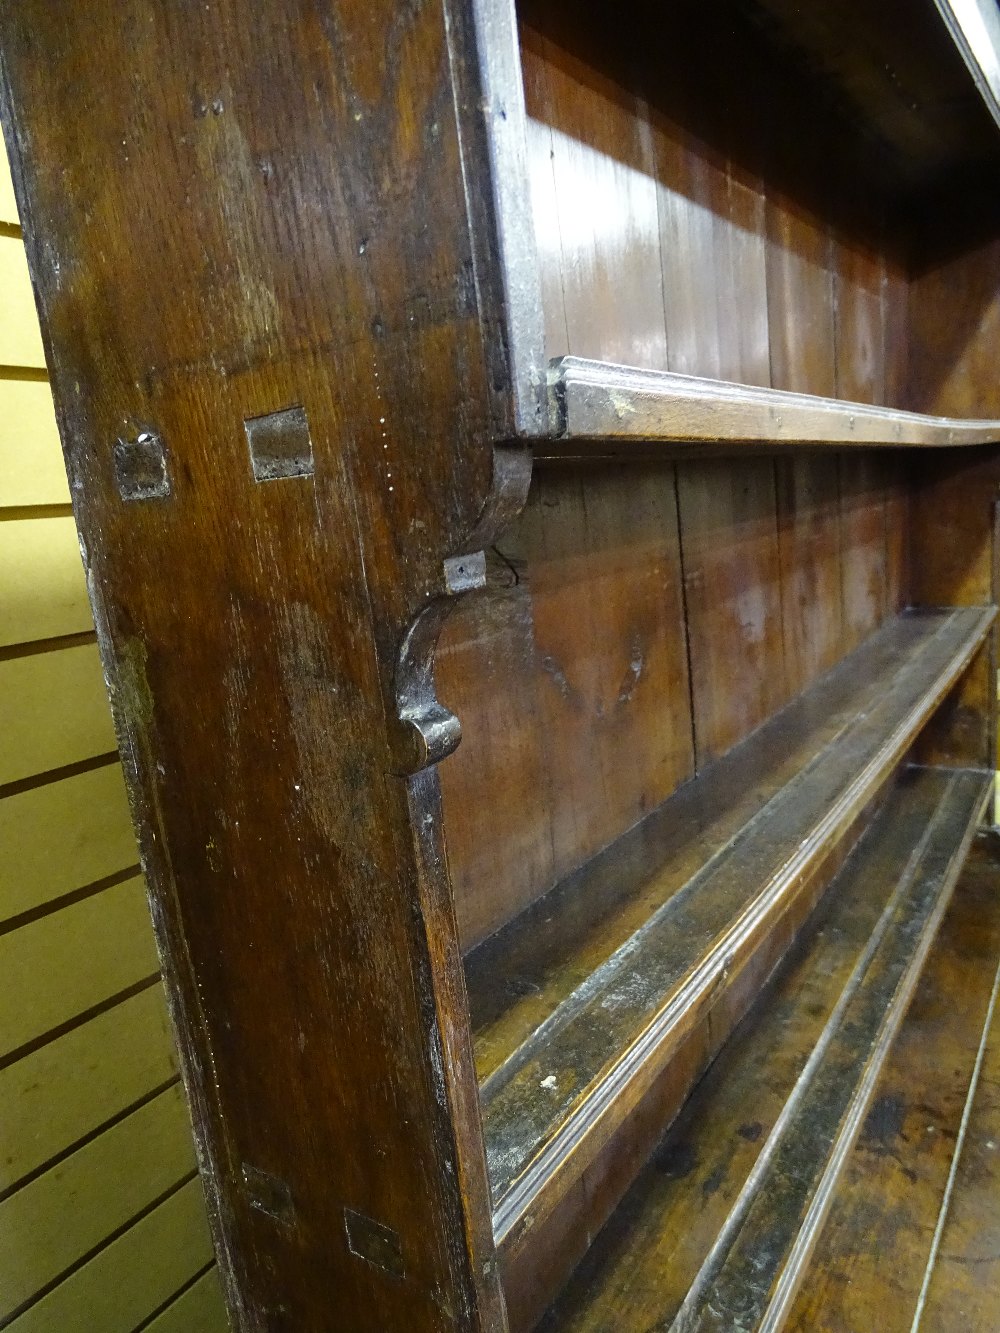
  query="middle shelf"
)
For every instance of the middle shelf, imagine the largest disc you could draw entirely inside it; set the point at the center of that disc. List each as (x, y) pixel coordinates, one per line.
(580, 1004)
(595, 405)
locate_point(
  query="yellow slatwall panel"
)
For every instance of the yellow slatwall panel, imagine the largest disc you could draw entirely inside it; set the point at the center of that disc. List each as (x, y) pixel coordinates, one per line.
(102, 1219)
(20, 339)
(164, 1248)
(8, 209)
(31, 465)
(198, 1310)
(63, 836)
(44, 592)
(53, 712)
(69, 1087)
(56, 1219)
(73, 959)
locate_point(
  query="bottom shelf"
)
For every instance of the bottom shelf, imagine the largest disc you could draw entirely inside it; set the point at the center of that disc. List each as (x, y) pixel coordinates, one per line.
(717, 1231)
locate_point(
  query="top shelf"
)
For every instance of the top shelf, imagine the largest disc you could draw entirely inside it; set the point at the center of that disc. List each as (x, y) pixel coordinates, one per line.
(595, 401)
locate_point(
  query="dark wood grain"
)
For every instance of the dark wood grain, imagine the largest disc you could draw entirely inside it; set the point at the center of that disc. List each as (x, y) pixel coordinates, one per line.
(281, 221)
(800, 300)
(496, 788)
(947, 500)
(604, 194)
(963, 1280)
(870, 1259)
(572, 686)
(729, 546)
(436, 1003)
(859, 345)
(864, 546)
(569, 1088)
(643, 1265)
(809, 540)
(692, 192)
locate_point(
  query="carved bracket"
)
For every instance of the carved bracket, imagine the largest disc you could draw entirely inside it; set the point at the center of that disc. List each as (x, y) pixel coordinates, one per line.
(428, 731)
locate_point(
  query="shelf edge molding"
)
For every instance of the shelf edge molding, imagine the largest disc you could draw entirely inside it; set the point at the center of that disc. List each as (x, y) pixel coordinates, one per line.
(596, 400)
(974, 26)
(540, 1174)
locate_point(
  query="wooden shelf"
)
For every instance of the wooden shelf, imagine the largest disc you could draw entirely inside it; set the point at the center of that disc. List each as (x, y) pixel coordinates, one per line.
(597, 401)
(580, 1004)
(975, 30)
(725, 1243)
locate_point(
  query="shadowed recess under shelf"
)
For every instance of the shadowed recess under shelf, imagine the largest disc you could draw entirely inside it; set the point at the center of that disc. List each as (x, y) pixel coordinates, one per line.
(595, 401)
(579, 1003)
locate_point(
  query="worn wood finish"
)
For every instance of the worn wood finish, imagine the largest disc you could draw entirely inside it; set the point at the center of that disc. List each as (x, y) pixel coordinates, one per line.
(809, 543)
(729, 542)
(522, 973)
(691, 208)
(297, 331)
(963, 1280)
(864, 546)
(577, 658)
(860, 351)
(759, 1259)
(800, 301)
(594, 401)
(607, 267)
(566, 1089)
(328, 258)
(946, 499)
(870, 1258)
(713, 1162)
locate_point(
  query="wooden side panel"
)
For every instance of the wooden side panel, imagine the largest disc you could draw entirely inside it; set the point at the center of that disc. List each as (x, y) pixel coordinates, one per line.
(496, 787)
(808, 493)
(605, 196)
(895, 333)
(799, 300)
(732, 582)
(858, 323)
(954, 330)
(572, 688)
(864, 551)
(692, 193)
(609, 634)
(83, 1022)
(954, 553)
(544, 197)
(743, 314)
(281, 290)
(897, 471)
